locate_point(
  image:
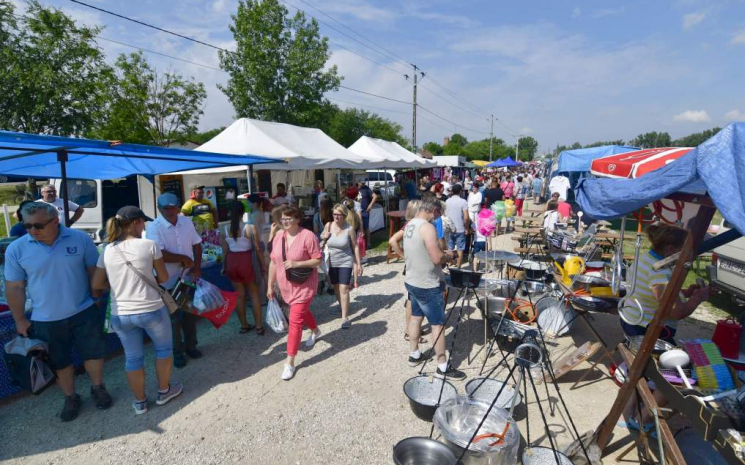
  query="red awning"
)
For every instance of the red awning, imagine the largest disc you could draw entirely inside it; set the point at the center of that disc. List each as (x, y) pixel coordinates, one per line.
(638, 163)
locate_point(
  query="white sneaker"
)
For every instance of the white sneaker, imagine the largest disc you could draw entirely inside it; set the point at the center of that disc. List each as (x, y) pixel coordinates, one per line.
(140, 407)
(312, 339)
(288, 372)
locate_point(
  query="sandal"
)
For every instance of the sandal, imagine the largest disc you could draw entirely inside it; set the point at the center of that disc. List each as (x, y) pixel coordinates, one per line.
(260, 331)
(246, 329)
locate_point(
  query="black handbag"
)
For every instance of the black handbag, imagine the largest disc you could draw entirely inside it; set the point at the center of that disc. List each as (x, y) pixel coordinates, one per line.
(294, 275)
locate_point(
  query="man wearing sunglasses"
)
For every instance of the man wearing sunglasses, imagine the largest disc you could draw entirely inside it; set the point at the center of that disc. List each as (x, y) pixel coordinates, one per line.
(49, 195)
(52, 266)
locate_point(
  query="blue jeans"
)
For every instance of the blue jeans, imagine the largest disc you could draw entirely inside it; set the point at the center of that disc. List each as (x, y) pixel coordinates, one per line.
(427, 302)
(131, 330)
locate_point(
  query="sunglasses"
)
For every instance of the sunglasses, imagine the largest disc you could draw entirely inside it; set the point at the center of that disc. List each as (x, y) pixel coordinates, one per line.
(338, 215)
(287, 220)
(38, 226)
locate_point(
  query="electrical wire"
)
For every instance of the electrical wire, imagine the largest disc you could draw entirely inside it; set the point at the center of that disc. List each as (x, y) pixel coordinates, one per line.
(451, 122)
(374, 95)
(366, 58)
(448, 101)
(142, 23)
(368, 106)
(161, 54)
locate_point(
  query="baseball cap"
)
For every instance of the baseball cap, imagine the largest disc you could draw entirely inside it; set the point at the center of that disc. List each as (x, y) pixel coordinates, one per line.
(197, 188)
(168, 200)
(131, 213)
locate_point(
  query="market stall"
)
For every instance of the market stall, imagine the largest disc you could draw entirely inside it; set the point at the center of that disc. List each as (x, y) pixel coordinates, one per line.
(573, 165)
(71, 158)
(708, 178)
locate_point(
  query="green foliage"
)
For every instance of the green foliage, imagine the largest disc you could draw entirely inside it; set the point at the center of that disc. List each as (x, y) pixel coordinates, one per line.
(455, 145)
(150, 108)
(696, 139)
(54, 77)
(652, 140)
(433, 147)
(277, 71)
(346, 126)
(608, 142)
(528, 146)
(202, 137)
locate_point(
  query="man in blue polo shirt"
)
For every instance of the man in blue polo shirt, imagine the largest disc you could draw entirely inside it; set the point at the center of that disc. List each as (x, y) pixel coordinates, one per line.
(52, 266)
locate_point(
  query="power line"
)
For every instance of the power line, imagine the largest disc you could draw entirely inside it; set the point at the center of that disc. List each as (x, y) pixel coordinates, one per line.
(341, 32)
(375, 95)
(451, 122)
(367, 106)
(151, 26)
(436, 124)
(161, 54)
(366, 58)
(402, 60)
(454, 95)
(448, 101)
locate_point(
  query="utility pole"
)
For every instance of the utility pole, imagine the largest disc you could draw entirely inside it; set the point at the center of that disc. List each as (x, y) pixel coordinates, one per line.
(517, 147)
(413, 125)
(491, 139)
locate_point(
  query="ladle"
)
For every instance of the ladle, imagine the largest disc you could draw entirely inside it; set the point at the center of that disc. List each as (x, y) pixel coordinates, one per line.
(677, 359)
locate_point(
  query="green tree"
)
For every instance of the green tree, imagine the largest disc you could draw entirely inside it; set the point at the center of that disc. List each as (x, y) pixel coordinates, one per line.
(433, 147)
(277, 70)
(528, 146)
(455, 145)
(652, 140)
(151, 108)
(203, 137)
(696, 139)
(602, 143)
(348, 125)
(54, 77)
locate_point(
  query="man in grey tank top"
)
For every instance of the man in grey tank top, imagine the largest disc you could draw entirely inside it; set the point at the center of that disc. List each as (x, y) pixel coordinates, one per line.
(425, 285)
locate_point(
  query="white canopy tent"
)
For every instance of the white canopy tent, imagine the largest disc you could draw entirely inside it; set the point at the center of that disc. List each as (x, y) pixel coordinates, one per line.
(384, 154)
(302, 148)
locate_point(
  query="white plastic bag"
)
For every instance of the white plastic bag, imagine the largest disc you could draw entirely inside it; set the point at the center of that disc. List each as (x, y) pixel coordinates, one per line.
(207, 297)
(275, 318)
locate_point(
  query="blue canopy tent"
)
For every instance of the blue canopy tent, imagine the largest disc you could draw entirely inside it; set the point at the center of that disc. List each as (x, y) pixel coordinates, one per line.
(62, 157)
(579, 160)
(716, 167)
(502, 163)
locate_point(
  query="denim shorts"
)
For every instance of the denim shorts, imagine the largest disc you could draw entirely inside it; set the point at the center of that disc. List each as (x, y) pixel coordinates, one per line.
(478, 246)
(84, 331)
(365, 219)
(131, 330)
(428, 303)
(667, 334)
(341, 275)
(457, 241)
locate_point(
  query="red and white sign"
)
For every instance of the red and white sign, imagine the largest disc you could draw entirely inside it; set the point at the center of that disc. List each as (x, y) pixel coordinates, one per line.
(638, 163)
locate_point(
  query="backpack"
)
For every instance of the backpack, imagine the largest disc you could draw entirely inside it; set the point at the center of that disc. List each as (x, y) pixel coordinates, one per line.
(26, 360)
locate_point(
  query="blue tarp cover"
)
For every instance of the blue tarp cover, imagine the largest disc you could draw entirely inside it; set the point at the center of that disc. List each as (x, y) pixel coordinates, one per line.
(32, 155)
(581, 159)
(717, 166)
(502, 163)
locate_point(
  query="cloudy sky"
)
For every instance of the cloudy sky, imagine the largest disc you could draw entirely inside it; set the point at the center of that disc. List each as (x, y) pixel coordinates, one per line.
(560, 71)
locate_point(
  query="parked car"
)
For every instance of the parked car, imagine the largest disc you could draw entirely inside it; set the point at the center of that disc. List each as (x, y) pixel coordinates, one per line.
(727, 271)
(380, 178)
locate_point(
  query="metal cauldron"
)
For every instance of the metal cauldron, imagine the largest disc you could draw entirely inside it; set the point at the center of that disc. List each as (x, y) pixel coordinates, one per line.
(509, 334)
(487, 391)
(423, 392)
(585, 282)
(422, 451)
(535, 271)
(591, 304)
(535, 290)
(660, 346)
(543, 456)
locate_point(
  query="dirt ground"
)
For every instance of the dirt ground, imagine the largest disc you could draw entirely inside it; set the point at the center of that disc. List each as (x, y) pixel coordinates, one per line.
(345, 405)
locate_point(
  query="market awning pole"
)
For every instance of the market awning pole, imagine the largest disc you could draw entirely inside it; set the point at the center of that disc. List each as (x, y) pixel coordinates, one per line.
(250, 174)
(62, 159)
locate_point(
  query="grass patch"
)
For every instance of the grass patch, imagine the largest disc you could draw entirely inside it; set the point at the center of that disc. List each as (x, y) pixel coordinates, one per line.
(8, 195)
(3, 230)
(379, 241)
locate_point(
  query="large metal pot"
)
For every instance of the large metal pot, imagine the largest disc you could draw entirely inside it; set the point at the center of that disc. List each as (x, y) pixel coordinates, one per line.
(533, 270)
(423, 393)
(422, 451)
(543, 456)
(509, 334)
(456, 421)
(488, 390)
(585, 282)
(532, 289)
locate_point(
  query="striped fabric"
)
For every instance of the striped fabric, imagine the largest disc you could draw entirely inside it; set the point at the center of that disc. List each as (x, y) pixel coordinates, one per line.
(645, 279)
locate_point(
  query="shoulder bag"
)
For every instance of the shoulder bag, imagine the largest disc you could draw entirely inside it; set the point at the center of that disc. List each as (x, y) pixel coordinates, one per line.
(168, 299)
(294, 275)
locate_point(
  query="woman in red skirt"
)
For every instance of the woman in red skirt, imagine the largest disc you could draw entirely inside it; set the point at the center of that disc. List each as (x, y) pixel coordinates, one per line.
(239, 240)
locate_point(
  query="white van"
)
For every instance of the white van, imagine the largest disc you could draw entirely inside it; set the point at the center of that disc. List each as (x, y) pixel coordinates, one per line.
(379, 177)
(727, 271)
(103, 198)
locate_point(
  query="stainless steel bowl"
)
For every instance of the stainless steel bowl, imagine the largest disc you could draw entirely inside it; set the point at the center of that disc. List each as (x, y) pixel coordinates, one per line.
(422, 451)
(543, 456)
(423, 392)
(535, 290)
(660, 346)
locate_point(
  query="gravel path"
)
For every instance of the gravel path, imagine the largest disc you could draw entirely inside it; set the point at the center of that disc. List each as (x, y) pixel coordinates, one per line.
(345, 404)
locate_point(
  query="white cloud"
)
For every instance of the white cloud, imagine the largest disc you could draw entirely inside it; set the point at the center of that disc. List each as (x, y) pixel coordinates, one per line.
(218, 5)
(603, 12)
(359, 9)
(738, 38)
(576, 13)
(734, 115)
(692, 19)
(692, 116)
